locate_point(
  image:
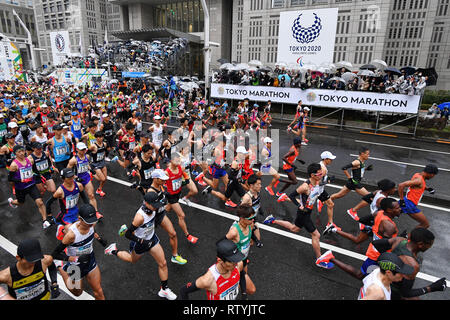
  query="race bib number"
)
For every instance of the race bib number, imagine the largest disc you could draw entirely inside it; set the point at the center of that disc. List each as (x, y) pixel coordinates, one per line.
(132, 145)
(176, 184)
(3, 133)
(83, 167)
(42, 165)
(148, 173)
(31, 292)
(86, 249)
(76, 127)
(148, 230)
(60, 151)
(26, 174)
(230, 293)
(72, 201)
(100, 156)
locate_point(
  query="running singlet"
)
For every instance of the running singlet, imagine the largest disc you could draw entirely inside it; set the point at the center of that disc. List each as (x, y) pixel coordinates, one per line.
(70, 202)
(291, 159)
(358, 173)
(413, 194)
(373, 205)
(147, 229)
(61, 150)
(308, 200)
(76, 128)
(227, 289)
(31, 287)
(256, 202)
(100, 154)
(24, 174)
(82, 243)
(267, 163)
(371, 252)
(83, 169)
(371, 279)
(175, 181)
(41, 164)
(157, 135)
(244, 240)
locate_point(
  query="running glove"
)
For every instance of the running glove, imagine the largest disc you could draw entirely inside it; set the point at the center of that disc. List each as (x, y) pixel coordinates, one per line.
(431, 190)
(369, 167)
(54, 291)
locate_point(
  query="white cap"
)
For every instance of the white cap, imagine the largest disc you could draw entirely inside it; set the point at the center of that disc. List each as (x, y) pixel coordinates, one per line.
(241, 149)
(306, 109)
(105, 115)
(157, 118)
(12, 124)
(159, 174)
(81, 146)
(267, 140)
(327, 155)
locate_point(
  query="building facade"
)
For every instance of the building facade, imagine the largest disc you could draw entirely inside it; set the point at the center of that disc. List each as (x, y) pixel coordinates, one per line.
(400, 32)
(86, 21)
(10, 27)
(153, 19)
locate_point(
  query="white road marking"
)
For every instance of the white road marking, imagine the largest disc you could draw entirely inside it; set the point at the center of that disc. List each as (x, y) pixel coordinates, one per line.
(401, 147)
(400, 162)
(283, 233)
(12, 249)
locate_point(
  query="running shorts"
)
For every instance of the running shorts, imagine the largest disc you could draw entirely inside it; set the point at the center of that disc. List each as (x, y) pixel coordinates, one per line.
(368, 266)
(410, 207)
(217, 172)
(173, 198)
(31, 190)
(234, 185)
(303, 220)
(85, 268)
(98, 165)
(143, 248)
(324, 196)
(353, 184)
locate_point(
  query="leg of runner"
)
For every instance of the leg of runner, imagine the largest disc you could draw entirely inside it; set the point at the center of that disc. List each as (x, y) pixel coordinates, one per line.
(181, 220)
(167, 225)
(94, 279)
(158, 254)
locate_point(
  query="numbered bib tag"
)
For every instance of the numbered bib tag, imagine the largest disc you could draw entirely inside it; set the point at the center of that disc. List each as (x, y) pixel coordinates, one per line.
(83, 167)
(42, 165)
(26, 173)
(30, 292)
(148, 173)
(72, 201)
(60, 151)
(176, 184)
(100, 156)
(231, 293)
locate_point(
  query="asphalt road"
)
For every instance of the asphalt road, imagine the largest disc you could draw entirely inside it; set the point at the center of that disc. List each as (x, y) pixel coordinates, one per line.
(283, 269)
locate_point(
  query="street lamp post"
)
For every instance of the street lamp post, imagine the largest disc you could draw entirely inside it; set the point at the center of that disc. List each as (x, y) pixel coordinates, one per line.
(207, 50)
(30, 43)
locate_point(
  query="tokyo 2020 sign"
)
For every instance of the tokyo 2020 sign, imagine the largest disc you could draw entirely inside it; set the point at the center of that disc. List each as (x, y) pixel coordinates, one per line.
(307, 36)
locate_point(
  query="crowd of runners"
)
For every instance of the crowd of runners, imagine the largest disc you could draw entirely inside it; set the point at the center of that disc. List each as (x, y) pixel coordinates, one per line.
(57, 142)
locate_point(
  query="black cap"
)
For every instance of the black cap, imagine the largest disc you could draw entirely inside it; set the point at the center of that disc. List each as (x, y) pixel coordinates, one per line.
(297, 140)
(390, 261)
(152, 198)
(227, 250)
(30, 250)
(57, 127)
(431, 169)
(36, 145)
(9, 135)
(18, 147)
(67, 173)
(88, 214)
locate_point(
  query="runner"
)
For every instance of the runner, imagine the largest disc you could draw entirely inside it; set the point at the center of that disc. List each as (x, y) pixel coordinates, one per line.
(241, 233)
(77, 253)
(358, 167)
(145, 163)
(253, 199)
(289, 167)
(415, 189)
(80, 164)
(266, 166)
(327, 158)
(144, 239)
(60, 149)
(42, 168)
(21, 175)
(309, 191)
(26, 278)
(222, 279)
(97, 152)
(157, 132)
(174, 184)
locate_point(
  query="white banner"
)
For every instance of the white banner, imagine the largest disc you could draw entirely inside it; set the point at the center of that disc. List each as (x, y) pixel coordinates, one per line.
(307, 36)
(357, 100)
(60, 44)
(79, 76)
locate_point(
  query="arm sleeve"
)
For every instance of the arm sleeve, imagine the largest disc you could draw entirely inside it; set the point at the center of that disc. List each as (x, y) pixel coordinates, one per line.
(407, 291)
(59, 253)
(129, 234)
(187, 289)
(48, 204)
(53, 273)
(292, 197)
(347, 166)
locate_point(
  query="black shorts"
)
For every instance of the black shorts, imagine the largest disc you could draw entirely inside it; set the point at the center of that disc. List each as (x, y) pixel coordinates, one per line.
(98, 165)
(324, 196)
(61, 165)
(354, 186)
(173, 198)
(46, 175)
(234, 185)
(303, 220)
(31, 190)
(143, 248)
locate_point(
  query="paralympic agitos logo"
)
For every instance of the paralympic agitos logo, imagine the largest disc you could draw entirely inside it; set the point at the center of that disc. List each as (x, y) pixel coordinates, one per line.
(306, 34)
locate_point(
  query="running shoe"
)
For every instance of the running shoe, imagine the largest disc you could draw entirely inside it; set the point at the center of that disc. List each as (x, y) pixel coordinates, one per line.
(269, 220)
(283, 197)
(270, 191)
(167, 293)
(331, 227)
(206, 190)
(99, 215)
(187, 201)
(58, 263)
(100, 193)
(199, 177)
(192, 239)
(109, 250)
(319, 206)
(306, 140)
(60, 232)
(45, 224)
(115, 159)
(10, 200)
(202, 183)
(304, 143)
(231, 204)
(364, 228)
(178, 260)
(122, 230)
(353, 214)
(324, 260)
